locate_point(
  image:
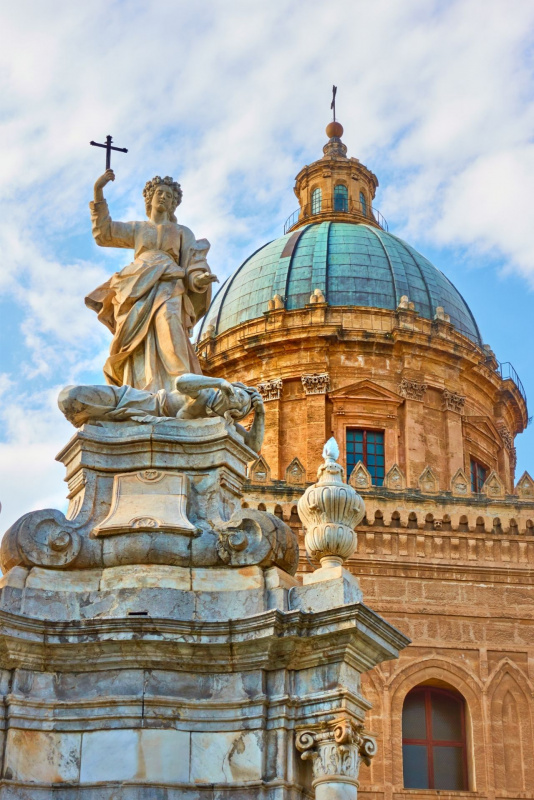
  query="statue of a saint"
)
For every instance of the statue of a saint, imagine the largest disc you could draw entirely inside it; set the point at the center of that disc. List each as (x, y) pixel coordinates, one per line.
(152, 304)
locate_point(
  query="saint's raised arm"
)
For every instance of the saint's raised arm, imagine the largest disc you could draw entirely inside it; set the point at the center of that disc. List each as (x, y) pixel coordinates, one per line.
(152, 304)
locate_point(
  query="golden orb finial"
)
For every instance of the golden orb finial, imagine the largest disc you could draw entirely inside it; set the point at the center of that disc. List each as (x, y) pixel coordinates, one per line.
(334, 129)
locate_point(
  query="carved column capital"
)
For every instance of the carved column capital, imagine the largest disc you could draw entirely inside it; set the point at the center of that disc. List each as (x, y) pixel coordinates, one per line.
(336, 751)
(316, 384)
(412, 390)
(270, 390)
(452, 402)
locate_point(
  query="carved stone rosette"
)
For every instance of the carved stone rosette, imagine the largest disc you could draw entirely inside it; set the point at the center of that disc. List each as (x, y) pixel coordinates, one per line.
(412, 390)
(316, 384)
(330, 510)
(270, 390)
(336, 751)
(453, 402)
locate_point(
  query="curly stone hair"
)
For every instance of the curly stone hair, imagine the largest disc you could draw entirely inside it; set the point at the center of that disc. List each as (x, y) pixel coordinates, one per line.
(150, 188)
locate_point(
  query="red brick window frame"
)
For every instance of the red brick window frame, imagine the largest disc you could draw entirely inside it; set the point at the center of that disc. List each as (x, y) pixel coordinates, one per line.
(434, 748)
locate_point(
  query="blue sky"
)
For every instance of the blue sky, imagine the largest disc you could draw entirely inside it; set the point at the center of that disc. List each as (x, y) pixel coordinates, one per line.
(232, 99)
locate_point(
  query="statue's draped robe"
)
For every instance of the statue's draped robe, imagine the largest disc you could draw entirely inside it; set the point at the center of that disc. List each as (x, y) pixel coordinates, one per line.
(151, 305)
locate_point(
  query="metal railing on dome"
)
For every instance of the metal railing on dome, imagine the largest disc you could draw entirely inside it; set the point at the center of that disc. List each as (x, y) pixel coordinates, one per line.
(507, 372)
(354, 208)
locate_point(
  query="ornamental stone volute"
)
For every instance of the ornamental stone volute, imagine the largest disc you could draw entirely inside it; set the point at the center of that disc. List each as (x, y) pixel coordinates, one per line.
(330, 510)
(336, 751)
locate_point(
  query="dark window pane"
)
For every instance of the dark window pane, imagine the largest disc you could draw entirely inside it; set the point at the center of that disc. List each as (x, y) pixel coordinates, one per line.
(413, 716)
(448, 768)
(341, 198)
(415, 763)
(446, 718)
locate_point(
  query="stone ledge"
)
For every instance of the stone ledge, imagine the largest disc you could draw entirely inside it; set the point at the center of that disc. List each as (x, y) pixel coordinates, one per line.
(271, 640)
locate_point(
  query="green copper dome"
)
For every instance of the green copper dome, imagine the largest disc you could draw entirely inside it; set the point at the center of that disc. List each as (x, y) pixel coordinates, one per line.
(352, 264)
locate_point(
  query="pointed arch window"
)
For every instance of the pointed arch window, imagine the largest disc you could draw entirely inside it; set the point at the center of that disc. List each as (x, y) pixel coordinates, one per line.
(317, 201)
(363, 204)
(434, 750)
(341, 198)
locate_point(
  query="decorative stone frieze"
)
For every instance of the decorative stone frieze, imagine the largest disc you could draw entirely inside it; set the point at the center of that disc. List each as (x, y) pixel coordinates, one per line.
(506, 436)
(270, 390)
(330, 510)
(336, 751)
(395, 479)
(428, 481)
(412, 390)
(316, 384)
(260, 471)
(295, 473)
(508, 441)
(360, 477)
(460, 485)
(452, 402)
(525, 487)
(493, 487)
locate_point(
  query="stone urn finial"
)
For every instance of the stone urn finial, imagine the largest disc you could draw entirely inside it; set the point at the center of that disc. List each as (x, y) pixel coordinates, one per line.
(330, 510)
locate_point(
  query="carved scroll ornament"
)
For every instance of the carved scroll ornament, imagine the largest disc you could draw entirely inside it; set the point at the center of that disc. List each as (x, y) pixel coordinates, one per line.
(412, 390)
(316, 384)
(270, 390)
(336, 751)
(453, 402)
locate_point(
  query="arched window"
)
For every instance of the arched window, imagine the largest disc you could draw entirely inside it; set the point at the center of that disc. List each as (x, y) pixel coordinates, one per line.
(363, 204)
(341, 198)
(433, 739)
(317, 201)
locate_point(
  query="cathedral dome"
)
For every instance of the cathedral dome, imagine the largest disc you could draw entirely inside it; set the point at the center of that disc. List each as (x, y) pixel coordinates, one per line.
(352, 264)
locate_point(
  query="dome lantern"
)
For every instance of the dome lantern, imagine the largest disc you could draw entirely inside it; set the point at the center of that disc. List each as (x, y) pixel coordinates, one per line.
(335, 188)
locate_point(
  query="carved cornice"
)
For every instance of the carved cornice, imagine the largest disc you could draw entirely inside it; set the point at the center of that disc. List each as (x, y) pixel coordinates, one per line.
(271, 390)
(316, 384)
(336, 751)
(452, 402)
(412, 390)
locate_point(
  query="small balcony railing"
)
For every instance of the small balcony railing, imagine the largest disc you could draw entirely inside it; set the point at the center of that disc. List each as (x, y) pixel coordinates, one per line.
(353, 209)
(507, 372)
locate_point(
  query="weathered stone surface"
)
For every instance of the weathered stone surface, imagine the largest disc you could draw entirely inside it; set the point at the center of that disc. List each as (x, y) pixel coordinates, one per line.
(166, 493)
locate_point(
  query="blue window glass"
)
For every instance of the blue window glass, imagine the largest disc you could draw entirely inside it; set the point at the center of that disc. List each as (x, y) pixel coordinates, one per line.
(363, 204)
(341, 198)
(478, 476)
(317, 201)
(367, 447)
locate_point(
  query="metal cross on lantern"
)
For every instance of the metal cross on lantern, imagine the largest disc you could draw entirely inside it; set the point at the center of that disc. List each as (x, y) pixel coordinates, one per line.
(332, 104)
(109, 148)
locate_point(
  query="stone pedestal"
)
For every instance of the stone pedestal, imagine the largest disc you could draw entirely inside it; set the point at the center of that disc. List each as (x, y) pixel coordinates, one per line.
(155, 645)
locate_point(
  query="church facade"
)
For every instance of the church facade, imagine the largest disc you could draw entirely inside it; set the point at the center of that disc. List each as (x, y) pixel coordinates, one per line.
(348, 331)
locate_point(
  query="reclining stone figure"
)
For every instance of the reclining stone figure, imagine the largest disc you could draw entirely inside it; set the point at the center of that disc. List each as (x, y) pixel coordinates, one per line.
(195, 397)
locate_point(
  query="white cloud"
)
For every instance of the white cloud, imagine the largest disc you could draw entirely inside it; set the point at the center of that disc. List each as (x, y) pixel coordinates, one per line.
(232, 98)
